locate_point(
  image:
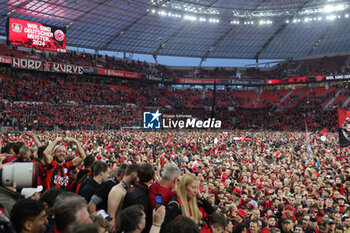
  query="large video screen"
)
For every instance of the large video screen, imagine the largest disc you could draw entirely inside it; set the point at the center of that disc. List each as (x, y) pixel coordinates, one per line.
(36, 35)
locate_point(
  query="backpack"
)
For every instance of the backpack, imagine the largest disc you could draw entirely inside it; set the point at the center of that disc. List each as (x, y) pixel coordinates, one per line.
(78, 185)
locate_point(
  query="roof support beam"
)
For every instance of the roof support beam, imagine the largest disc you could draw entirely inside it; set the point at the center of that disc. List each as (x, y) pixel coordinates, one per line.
(280, 29)
(226, 33)
(87, 12)
(129, 26)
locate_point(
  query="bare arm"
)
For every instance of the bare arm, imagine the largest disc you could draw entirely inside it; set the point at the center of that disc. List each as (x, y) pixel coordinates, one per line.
(92, 208)
(35, 138)
(158, 219)
(114, 199)
(47, 152)
(81, 153)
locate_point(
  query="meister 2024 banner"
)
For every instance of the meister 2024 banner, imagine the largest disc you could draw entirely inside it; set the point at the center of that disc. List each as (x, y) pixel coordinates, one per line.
(36, 35)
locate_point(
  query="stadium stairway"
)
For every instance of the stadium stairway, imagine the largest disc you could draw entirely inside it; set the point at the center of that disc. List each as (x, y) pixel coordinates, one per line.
(333, 99)
(298, 93)
(299, 65)
(346, 102)
(283, 99)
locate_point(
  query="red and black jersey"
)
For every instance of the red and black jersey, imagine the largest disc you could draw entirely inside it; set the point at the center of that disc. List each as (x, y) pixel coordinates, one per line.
(58, 175)
(42, 171)
(206, 229)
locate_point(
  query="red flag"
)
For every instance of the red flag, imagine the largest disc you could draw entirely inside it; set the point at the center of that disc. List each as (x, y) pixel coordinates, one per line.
(324, 131)
(344, 127)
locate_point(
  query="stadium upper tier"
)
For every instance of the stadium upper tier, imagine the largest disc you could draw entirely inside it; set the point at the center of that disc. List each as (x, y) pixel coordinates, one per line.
(207, 29)
(337, 65)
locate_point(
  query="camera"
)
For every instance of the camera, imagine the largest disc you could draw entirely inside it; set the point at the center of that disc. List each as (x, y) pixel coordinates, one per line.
(19, 175)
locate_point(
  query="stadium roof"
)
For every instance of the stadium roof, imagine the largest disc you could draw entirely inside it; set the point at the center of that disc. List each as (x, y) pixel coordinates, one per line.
(268, 29)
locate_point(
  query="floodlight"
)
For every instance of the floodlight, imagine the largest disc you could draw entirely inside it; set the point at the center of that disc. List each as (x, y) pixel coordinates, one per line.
(332, 8)
(331, 17)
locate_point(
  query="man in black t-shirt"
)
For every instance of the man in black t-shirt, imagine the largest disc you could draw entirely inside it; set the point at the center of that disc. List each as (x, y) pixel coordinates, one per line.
(88, 161)
(100, 175)
(100, 198)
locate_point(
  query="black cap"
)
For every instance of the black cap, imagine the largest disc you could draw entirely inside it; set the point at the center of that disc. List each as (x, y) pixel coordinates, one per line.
(313, 219)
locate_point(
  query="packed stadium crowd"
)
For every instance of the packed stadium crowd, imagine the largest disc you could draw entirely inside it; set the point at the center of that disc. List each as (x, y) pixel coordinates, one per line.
(178, 181)
(70, 103)
(336, 65)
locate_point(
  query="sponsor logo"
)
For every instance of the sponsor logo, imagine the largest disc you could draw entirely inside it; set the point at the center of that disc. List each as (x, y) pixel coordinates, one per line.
(151, 120)
(16, 27)
(59, 35)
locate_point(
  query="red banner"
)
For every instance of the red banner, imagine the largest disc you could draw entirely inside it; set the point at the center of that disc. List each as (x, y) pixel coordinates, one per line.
(6, 60)
(196, 81)
(118, 73)
(36, 35)
(295, 80)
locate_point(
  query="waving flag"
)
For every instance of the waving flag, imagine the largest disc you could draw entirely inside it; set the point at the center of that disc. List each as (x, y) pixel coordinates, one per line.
(344, 127)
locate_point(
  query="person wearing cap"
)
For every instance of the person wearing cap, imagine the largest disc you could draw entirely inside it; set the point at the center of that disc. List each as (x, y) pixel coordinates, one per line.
(239, 218)
(289, 213)
(32, 193)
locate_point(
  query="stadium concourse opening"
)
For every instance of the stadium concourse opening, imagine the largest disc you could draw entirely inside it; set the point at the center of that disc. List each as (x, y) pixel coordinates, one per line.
(91, 142)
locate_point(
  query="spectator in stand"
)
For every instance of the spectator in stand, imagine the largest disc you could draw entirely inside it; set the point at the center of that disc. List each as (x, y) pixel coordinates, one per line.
(29, 216)
(117, 194)
(138, 194)
(70, 210)
(254, 226)
(289, 213)
(286, 225)
(166, 186)
(271, 223)
(100, 198)
(98, 177)
(57, 168)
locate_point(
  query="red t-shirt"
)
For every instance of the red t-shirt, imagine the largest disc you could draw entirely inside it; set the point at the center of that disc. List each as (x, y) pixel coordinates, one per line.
(167, 194)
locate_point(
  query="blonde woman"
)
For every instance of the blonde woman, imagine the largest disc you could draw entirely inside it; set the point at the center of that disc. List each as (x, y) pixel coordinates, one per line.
(187, 202)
